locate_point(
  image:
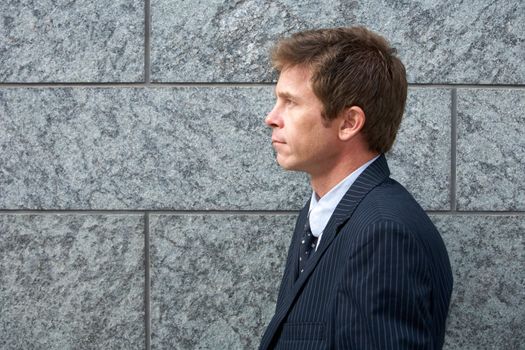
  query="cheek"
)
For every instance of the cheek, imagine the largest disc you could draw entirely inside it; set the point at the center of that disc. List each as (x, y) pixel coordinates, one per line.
(322, 140)
(299, 137)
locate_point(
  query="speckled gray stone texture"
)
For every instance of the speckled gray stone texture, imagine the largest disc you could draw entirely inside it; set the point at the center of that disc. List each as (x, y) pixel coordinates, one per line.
(420, 158)
(71, 41)
(488, 300)
(491, 149)
(71, 281)
(439, 41)
(215, 278)
(184, 148)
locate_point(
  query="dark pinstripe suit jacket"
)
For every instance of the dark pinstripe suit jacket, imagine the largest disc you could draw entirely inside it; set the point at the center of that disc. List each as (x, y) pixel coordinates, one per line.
(380, 278)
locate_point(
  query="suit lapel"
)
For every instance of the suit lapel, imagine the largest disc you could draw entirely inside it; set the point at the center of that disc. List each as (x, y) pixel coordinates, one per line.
(373, 175)
(299, 229)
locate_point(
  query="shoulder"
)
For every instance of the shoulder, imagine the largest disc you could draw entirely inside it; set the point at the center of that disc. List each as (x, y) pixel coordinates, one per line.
(390, 201)
(390, 209)
(389, 212)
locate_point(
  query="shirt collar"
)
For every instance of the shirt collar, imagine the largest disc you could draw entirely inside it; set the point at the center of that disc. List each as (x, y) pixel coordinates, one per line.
(322, 209)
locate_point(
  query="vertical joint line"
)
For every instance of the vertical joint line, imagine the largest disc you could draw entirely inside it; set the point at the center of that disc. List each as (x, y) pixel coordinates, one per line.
(453, 148)
(147, 284)
(147, 45)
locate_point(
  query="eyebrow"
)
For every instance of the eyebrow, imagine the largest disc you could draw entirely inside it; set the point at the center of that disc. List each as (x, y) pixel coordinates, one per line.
(285, 95)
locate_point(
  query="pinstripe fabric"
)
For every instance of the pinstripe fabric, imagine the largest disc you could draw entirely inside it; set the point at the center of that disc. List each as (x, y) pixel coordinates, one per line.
(380, 278)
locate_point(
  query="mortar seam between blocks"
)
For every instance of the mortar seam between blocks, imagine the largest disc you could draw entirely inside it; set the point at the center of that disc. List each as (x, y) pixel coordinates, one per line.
(147, 81)
(147, 283)
(142, 211)
(147, 42)
(233, 212)
(453, 150)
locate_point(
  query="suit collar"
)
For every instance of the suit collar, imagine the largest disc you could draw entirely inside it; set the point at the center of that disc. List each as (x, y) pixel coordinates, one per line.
(321, 210)
(373, 175)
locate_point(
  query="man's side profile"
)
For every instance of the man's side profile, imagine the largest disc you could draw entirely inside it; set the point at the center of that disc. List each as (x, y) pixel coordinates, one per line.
(366, 268)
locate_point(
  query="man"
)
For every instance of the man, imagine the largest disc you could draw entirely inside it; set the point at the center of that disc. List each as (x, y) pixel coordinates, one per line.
(366, 268)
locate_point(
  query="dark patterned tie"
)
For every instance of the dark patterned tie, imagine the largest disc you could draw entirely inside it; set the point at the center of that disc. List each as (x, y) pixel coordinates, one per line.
(307, 247)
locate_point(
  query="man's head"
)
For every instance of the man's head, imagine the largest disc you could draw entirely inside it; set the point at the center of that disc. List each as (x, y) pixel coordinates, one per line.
(350, 67)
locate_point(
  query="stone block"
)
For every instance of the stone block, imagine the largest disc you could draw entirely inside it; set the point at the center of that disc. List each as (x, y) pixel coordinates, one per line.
(72, 41)
(439, 42)
(491, 149)
(487, 258)
(101, 148)
(420, 158)
(215, 278)
(71, 281)
(179, 148)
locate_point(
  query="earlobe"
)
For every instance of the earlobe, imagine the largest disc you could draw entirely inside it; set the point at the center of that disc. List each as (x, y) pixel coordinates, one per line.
(352, 121)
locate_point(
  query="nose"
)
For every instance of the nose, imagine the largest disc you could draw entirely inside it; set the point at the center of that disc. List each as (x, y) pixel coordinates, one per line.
(274, 119)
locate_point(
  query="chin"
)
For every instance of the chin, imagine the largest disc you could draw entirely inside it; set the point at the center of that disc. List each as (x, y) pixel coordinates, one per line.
(283, 164)
(290, 166)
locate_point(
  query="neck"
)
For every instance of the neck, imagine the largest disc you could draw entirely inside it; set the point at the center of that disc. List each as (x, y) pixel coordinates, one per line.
(323, 182)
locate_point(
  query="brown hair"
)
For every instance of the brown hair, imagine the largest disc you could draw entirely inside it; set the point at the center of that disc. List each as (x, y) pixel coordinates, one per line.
(351, 67)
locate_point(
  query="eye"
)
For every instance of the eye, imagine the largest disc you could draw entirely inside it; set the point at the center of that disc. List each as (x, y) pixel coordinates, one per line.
(290, 102)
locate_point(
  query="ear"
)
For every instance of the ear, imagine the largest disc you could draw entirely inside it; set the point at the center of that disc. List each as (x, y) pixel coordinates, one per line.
(352, 121)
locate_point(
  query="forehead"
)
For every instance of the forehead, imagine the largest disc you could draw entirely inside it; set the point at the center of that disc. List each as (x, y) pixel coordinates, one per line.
(294, 81)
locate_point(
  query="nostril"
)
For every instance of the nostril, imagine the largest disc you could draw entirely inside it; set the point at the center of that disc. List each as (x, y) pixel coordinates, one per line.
(268, 120)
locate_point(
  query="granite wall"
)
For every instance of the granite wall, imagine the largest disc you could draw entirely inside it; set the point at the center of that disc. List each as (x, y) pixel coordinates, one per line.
(140, 203)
